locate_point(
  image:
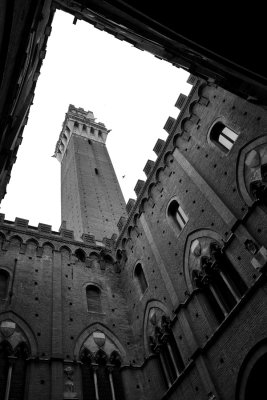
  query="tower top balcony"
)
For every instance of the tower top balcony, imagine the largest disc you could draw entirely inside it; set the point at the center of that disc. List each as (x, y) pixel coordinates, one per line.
(82, 123)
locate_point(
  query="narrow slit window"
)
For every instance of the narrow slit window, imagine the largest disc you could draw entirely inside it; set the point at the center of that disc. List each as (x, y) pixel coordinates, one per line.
(140, 277)
(4, 280)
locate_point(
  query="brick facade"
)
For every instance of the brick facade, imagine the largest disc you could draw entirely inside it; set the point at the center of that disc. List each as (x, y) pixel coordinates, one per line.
(198, 329)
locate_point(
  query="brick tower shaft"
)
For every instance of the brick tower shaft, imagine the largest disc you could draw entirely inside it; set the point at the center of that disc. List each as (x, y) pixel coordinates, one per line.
(91, 198)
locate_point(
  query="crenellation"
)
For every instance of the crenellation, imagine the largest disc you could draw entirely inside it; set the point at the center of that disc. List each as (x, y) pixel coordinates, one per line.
(21, 223)
(148, 167)
(44, 228)
(180, 102)
(180, 278)
(139, 186)
(169, 124)
(130, 205)
(159, 146)
(121, 223)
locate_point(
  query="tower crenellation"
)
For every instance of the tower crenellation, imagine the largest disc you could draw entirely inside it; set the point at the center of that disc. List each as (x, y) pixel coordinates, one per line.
(91, 198)
(79, 122)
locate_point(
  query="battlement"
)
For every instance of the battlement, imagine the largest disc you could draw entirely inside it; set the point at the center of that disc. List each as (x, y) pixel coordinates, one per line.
(82, 123)
(22, 226)
(152, 168)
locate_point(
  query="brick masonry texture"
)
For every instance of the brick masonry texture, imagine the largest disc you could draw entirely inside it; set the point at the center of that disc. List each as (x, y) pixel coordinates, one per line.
(48, 279)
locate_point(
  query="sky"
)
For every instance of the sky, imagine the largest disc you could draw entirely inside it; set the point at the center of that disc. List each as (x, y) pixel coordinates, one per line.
(132, 92)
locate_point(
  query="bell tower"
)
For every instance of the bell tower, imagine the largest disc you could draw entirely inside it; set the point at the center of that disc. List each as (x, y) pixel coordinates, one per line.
(91, 198)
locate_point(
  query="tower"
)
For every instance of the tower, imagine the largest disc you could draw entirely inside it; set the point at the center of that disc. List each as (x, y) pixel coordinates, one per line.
(91, 198)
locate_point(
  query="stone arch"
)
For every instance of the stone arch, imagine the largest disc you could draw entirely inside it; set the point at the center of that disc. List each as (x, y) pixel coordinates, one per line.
(94, 254)
(176, 138)
(254, 359)
(159, 170)
(249, 166)
(31, 246)
(25, 328)
(142, 205)
(48, 249)
(65, 248)
(168, 158)
(200, 233)
(87, 332)
(130, 229)
(150, 188)
(151, 304)
(123, 243)
(2, 238)
(15, 241)
(108, 259)
(135, 218)
(49, 244)
(80, 254)
(32, 240)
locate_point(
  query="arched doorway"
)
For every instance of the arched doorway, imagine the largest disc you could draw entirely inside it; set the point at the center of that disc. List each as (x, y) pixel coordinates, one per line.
(256, 385)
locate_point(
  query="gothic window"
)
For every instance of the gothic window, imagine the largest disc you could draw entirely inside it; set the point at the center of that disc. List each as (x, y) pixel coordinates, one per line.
(212, 272)
(140, 277)
(92, 130)
(5, 352)
(101, 378)
(4, 280)
(100, 133)
(176, 215)
(93, 296)
(162, 343)
(255, 173)
(84, 127)
(13, 371)
(222, 136)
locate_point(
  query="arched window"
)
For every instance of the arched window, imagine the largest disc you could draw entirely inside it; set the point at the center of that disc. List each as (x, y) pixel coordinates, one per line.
(140, 277)
(100, 133)
(223, 137)
(13, 371)
(17, 386)
(251, 378)
(162, 342)
(4, 281)
(176, 215)
(93, 296)
(80, 254)
(87, 375)
(5, 352)
(101, 375)
(92, 130)
(214, 274)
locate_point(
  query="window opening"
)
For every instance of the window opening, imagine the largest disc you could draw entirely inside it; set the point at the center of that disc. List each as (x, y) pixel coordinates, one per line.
(176, 215)
(223, 136)
(4, 280)
(140, 276)
(93, 295)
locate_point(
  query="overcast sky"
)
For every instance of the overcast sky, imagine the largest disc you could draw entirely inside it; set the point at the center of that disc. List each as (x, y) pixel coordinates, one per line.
(130, 91)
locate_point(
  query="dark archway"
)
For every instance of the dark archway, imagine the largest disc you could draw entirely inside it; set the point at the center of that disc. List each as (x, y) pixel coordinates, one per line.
(256, 385)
